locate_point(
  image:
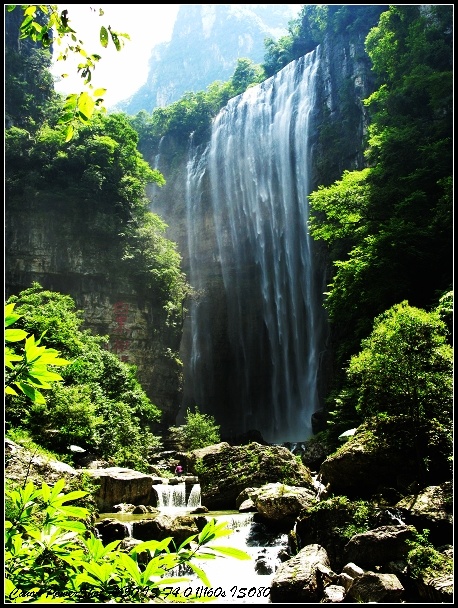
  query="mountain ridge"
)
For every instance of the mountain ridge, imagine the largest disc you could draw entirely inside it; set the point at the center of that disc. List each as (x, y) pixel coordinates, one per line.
(207, 41)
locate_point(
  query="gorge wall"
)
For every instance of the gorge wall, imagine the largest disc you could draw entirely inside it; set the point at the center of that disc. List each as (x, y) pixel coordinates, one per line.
(54, 240)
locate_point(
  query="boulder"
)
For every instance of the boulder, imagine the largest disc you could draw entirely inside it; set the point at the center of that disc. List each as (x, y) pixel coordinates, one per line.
(298, 579)
(431, 509)
(117, 485)
(385, 454)
(333, 594)
(179, 528)
(111, 529)
(436, 589)
(374, 587)
(380, 546)
(279, 503)
(224, 471)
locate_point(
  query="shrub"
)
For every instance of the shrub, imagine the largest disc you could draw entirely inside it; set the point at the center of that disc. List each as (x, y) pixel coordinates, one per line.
(199, 431)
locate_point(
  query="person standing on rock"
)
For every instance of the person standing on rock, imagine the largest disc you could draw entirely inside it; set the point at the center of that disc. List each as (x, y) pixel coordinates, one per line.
(178, 470)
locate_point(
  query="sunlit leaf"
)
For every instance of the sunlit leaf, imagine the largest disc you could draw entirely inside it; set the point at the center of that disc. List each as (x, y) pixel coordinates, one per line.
(15, 335)
(200, 573)
(232, 552)
(69, 133)
(103, 36)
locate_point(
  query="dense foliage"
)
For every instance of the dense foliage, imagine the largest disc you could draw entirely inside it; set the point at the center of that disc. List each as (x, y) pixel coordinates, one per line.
(389, 227)
(52, 557)
(99, 406)
(404, 369)
(100, 177)
(198, 431)
(314, 22)
(193, 113)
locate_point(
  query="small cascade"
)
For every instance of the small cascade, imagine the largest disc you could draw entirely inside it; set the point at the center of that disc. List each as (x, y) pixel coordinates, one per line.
(194, 497)
(394, 515)
(128, 525)
(174, 496)
(246, 581)
(169, 495)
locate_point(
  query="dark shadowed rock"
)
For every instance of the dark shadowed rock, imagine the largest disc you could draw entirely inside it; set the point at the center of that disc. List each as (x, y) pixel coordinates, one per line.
(385, 454)
(376, 587)
(431, 509)
(179, 528)
(111, 529)
(380, 546)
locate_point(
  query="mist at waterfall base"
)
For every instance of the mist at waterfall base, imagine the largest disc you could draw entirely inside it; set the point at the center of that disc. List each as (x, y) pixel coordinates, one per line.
(232, 580)
(256, 331)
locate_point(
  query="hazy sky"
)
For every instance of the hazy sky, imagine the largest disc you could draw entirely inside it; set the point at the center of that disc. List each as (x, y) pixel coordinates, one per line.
(121, 73)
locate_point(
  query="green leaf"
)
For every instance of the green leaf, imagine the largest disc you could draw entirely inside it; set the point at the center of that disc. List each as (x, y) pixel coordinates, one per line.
(15, 335)
(152, 545)
(232, 552)
(10, 317)
(30, 392)
(200, 573)
(74, 526)
(104, 37)
(186, 542)
(72, 496)
(101, 572)
(69, 131)
(116, 41)
(79, 512)
(131, 567)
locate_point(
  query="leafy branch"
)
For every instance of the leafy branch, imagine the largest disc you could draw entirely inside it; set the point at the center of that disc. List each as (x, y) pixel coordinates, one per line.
(44, 24)
(50, 555)
(28, 371)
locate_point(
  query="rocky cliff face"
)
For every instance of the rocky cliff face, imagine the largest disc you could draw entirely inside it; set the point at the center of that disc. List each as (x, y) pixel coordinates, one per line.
(53, 242)
(50, 240)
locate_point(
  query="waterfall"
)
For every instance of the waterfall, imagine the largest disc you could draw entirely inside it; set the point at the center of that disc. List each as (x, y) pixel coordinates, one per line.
(173, 496)
(194, 497)
(270, 322)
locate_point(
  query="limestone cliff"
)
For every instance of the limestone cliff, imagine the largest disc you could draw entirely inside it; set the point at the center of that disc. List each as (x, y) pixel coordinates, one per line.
(54, 241)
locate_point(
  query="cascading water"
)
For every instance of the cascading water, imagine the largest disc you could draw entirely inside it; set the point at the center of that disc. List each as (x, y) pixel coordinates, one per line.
(173, 496)
(270, 322)
(235, 581)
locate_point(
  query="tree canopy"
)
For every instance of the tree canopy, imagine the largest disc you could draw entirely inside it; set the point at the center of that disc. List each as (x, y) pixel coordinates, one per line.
(390, 225)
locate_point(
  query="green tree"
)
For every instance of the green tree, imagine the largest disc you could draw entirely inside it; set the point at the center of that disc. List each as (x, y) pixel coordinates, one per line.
(100, 405)
(198, 431)
(404, 366)
(389, 227)
(246, 73)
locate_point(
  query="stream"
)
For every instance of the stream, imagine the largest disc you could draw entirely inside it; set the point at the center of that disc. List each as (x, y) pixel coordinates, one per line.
(232, 580)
